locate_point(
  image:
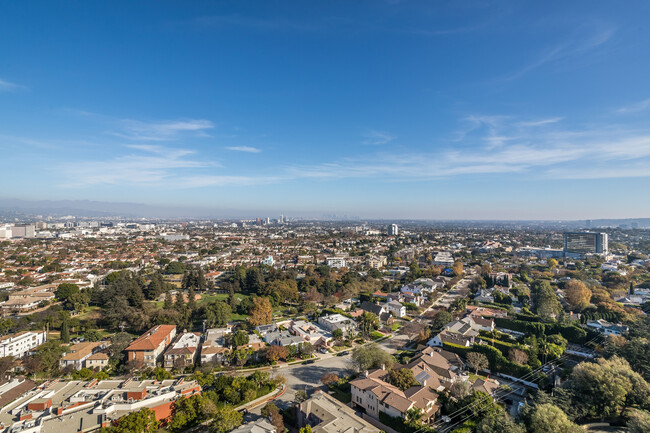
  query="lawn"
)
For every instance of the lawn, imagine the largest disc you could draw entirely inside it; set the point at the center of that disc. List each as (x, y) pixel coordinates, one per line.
(207, 298)
(90, 313)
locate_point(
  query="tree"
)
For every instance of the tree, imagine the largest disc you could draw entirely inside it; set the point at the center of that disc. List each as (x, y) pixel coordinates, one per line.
(6, 363)
(546, 418)
(517, 355)
(552, 263)
(239, 338)
(413, 416)
(169, 302)
(402, 378)
(441, 319)
(71, 296)
(186, 412)
(272, 412)
(371, 356)
(119, 342)
(638, 421)
(156, 286)
(65, 330)
(275, 353)
(306, 349)
(369, 322)
(191, 299)
(461, 389)
(329, 378)
(260, 312)
(141, 421)
(217, 314)
(546, 303)
(328, 288)
(477, 361)
(175, 268)
(577, 294)
(608, 386)
(180, 301)
(500, 422)
(337, 334)
(301, 395)
(457, 267)
(226, 418)
(254, 280)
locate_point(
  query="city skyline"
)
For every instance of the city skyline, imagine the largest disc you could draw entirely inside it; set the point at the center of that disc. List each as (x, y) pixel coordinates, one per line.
(378, 110)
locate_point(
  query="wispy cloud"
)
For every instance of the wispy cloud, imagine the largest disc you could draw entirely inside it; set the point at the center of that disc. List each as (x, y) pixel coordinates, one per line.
(376, 138)
(248, 149)
(636, 107)
(152, 165)
(522, 148)
(162, 131)
(254, 23)
(540, 122)
(6, 86)
(492, 145)
(573, 46)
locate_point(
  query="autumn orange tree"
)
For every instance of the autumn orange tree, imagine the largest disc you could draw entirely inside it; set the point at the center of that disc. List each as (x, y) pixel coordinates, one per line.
(275, 353)
(260, 312)
(577, 294)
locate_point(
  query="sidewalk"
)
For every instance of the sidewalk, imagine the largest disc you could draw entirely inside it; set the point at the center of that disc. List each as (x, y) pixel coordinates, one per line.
(263, 399)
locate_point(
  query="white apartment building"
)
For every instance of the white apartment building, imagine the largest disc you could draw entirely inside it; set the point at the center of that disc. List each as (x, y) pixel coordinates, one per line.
(336, 262)
(20, 344)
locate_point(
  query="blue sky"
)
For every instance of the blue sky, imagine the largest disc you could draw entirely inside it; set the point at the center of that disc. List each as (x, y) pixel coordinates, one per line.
(394, 109)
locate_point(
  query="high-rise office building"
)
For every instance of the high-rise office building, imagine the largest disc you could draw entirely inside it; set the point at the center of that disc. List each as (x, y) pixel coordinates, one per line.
(585, 243)
(393, 230)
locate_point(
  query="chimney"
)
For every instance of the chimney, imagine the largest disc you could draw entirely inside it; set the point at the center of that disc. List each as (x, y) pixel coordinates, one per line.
(383, 366)
(365, 373)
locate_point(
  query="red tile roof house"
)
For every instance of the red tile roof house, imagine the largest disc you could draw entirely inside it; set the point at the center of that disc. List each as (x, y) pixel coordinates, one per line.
(148, 348)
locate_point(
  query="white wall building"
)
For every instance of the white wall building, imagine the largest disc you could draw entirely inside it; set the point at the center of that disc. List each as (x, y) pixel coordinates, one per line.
(20, 344)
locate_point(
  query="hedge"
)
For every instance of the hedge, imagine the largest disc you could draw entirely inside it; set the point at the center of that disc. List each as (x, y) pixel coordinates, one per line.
(399, 425)
(572, 333)
(498, 362)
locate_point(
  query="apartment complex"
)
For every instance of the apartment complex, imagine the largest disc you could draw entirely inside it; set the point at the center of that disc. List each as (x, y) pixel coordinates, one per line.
(21, 343)
(579, 243)
(149, 347)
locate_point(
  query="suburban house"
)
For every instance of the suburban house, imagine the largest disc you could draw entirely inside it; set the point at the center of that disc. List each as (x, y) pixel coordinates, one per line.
(183, 351)
(214, 347)
(97, 360)
(325, 414)
(408, 297)
(374, 394)
(282, 338)
(437, 368)
(311, 333)
(395, 308)
(148, 348)
(21, 343)
(607, 328)
(449, 337)
(81, 352)
(333, 322)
